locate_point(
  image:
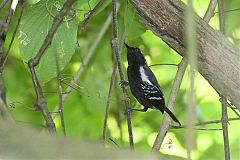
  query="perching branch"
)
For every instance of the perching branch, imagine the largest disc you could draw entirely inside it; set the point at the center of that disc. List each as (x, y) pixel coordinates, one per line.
(85, 62)
(32, 63)
(115, 45)
(171, 102)
(218, 59)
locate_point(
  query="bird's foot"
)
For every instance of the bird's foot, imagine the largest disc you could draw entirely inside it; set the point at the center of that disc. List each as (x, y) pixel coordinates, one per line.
(128, 110)
(123, 83)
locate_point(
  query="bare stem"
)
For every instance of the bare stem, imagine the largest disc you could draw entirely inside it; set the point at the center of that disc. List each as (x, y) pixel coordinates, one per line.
(225, 128)
(210, 10)
(115, 46)
(221, 16)
(113, 77)
(59, 78)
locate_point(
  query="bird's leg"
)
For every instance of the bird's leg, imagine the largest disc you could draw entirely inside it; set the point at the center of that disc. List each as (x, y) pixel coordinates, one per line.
(123, 83)
(140, 110)
(134, 109)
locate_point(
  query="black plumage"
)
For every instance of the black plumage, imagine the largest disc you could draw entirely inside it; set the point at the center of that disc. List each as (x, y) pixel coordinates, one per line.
(143, 83)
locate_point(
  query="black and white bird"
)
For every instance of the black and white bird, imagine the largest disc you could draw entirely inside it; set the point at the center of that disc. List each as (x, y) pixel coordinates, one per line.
(143, 83)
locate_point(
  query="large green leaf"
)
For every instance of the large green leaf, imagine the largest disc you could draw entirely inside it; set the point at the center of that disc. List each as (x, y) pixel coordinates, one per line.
(34, 27)
(134, 27)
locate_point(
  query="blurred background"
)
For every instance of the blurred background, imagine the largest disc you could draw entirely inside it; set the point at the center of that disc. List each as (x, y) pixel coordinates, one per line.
(84, 108)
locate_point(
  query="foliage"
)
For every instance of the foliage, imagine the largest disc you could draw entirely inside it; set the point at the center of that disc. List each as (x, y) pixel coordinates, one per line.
(84, 108)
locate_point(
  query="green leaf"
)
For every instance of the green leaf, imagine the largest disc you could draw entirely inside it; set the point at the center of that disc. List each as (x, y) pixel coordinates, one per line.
(133, 25)
(85, 6)
(34, 27)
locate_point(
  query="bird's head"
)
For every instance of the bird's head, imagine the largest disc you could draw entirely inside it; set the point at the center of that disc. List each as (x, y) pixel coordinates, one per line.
(135, 56)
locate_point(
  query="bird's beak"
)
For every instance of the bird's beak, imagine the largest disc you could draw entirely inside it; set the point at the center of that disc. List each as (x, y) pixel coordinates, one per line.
(126, 45)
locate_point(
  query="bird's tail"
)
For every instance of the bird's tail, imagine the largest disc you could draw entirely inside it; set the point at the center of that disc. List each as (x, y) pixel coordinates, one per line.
(172, 115)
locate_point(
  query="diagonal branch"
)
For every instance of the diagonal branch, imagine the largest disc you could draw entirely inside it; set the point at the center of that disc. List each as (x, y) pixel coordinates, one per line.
(113, 77)
(171, 102)
(32, 63)
(210, 10)
(3, 4)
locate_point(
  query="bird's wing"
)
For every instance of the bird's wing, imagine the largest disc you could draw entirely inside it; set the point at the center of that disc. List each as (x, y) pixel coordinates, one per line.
(152, 90)
(153, 95)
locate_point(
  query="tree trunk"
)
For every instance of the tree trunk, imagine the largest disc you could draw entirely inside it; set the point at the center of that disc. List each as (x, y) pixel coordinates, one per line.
(218, 59)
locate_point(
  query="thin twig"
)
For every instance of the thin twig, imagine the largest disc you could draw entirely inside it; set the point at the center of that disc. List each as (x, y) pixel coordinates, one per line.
(32, 63)
(225, 128)
(221, 16)
(223, 99)
(235, 110)
(166, 64)
(115, 46)
(59, 78)
(171, 102)
(113, 77)
(210, 11)
(90, 14)
(119, 111)
(86, 60)
(206, 123)
(3, 4)
(4, 59)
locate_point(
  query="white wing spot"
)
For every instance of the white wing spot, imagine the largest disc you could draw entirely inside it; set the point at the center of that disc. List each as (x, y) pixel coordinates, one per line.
(143, 75)
(155, 98)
